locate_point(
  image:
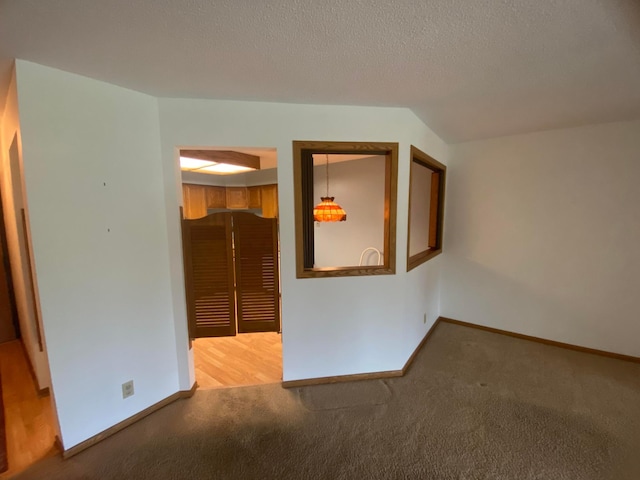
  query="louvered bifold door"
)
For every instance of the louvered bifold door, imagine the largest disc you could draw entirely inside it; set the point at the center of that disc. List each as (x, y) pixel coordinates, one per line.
(208, 265)
(257, 283)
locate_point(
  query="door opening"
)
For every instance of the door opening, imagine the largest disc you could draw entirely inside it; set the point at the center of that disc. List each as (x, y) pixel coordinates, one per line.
(231, 260)
(9, 321)
(26, 402)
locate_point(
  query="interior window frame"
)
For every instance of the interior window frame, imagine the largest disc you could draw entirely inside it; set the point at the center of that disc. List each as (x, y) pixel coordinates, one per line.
(303, 152)
(421, 158)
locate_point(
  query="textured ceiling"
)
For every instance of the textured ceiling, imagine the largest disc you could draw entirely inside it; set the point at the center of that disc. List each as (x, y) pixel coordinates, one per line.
(468, 69)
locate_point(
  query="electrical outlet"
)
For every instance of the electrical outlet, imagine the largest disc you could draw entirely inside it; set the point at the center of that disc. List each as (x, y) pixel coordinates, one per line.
(424, 318)
(127, 389)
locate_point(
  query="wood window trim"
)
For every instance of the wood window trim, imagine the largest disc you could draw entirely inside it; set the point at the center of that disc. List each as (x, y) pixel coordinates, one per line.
(436, 209)
(304, 220)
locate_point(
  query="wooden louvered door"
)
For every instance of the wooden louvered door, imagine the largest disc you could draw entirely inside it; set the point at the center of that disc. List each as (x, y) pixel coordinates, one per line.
(256, 267)
(209, 276)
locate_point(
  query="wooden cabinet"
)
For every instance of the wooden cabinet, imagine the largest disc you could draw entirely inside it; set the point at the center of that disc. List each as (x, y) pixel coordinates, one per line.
(269, 194)
(216, 197)
(255, 197)
(237, 198)
(198, 198)
(194, 201)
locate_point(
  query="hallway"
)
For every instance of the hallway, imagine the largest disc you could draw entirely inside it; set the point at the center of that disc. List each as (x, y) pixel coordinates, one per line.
(29, 421)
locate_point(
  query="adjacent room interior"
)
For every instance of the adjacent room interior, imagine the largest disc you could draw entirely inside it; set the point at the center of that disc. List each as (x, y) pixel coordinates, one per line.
(231, 255)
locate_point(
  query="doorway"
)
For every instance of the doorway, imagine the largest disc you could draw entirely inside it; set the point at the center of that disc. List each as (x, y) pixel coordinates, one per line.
(9, 323)
(29, 416)
(231, 259)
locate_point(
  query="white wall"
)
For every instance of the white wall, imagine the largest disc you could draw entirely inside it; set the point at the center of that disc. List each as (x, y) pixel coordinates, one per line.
(375, 322)
(13, 198)
(542, 235)
(103, 188)
(95, 190)
(359, 188)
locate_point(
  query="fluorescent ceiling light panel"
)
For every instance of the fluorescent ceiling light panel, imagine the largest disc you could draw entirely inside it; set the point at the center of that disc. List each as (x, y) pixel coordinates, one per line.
(224, 169)
(187, 163)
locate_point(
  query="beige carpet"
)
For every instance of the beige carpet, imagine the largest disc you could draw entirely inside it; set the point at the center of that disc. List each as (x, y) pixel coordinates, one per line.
(474, 405)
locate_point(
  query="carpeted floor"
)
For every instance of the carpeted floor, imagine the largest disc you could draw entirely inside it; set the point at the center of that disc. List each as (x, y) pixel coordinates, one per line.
(474, 405)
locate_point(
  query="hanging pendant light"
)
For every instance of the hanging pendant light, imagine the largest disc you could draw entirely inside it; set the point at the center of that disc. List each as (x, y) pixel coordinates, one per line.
(327, 210)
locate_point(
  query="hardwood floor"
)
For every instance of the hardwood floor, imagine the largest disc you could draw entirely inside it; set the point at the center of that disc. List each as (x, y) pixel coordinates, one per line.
(29, 418)
(246, 359)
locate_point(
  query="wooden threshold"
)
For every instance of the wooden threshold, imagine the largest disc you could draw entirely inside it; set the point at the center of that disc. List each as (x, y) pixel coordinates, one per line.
(553, 343)
(129, 421)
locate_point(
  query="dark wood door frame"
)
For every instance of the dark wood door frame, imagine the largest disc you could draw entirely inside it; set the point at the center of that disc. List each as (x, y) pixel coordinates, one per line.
(15, 319)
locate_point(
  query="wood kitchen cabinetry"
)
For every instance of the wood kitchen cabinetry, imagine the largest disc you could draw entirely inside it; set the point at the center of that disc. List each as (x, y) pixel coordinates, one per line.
(194, 200)
(216, 197)
(269, 197)
(198, 198)
(237, 198)
(255, 196)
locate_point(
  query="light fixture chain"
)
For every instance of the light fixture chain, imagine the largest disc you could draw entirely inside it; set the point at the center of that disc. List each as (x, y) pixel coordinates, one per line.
(327, 173)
